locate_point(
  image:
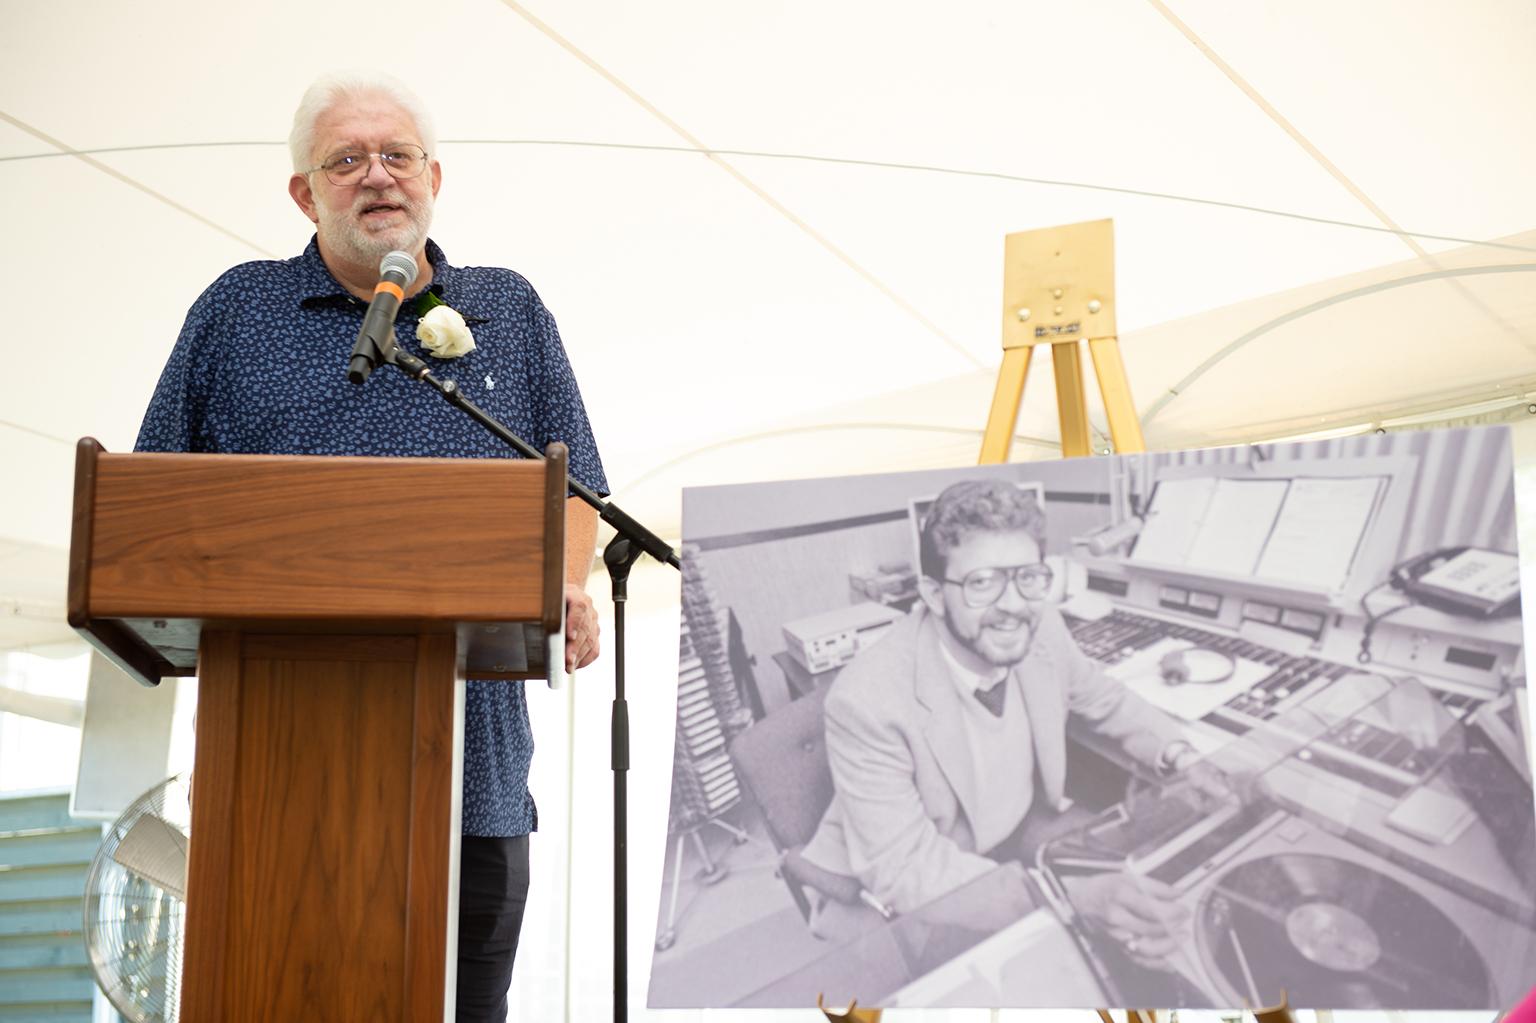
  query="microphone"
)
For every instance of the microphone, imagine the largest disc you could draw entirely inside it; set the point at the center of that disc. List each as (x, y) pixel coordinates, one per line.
(397, 271)
(1110, 537)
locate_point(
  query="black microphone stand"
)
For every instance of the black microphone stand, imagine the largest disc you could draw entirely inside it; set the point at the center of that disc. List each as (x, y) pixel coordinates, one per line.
(621, 553)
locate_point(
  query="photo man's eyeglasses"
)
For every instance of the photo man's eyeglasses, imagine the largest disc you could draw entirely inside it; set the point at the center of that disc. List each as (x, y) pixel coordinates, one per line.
(983, 586)
(348, 167)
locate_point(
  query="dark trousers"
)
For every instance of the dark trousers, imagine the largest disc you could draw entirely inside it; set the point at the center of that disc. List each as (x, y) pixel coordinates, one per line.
(493, 889)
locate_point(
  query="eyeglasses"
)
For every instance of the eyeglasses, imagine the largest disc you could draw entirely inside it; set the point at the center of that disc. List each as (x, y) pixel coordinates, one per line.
(984, 586)
(348, 167)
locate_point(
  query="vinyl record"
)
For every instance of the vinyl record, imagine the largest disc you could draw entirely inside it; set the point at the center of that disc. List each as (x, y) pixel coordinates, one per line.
(1335, 935)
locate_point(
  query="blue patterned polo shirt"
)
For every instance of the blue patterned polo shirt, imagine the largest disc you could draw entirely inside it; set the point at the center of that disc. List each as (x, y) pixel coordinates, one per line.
(261, 368)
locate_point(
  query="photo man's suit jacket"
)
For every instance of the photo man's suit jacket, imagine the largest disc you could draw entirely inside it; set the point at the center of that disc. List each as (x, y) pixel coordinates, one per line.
(902, 770)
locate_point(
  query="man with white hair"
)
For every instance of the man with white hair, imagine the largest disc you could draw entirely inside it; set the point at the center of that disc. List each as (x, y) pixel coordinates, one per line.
(260, 367)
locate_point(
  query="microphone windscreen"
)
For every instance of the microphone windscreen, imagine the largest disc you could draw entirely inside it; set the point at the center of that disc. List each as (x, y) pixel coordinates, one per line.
(402, 263)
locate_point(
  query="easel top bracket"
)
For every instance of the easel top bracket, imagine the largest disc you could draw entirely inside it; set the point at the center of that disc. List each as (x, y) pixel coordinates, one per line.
(1059, 284)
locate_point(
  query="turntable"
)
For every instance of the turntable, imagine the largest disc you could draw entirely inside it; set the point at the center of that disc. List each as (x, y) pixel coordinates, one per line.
(1347, 935)
(1329, 930)
(1315, 887)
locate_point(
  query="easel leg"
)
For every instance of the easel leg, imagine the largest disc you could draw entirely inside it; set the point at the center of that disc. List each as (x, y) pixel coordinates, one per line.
(1071, 400)
(1115, 386)
(1275, 1013)
(998, 438)
(853, 1015)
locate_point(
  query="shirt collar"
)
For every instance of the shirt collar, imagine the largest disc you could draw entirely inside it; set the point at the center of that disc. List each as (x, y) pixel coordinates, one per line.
(967, 681)
(318, 287)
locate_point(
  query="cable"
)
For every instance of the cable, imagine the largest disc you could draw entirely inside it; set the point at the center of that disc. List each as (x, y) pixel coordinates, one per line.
(1372, 619)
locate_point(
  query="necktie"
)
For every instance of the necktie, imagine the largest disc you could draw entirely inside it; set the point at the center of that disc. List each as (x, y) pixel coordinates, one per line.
(992, 698)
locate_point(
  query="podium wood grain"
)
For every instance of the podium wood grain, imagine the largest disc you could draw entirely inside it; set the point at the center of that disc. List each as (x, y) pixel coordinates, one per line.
(323, 895)
(278, 537)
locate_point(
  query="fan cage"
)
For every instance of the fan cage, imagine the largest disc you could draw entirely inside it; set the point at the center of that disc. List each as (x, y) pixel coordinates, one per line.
(134, 928)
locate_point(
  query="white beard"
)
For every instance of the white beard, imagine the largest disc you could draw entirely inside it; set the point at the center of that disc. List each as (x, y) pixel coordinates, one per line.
(355, 243)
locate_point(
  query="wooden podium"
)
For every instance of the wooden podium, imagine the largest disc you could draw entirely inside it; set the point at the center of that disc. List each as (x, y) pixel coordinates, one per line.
(331, 609)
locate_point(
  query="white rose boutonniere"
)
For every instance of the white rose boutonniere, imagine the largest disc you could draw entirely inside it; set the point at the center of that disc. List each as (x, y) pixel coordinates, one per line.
(443, 332)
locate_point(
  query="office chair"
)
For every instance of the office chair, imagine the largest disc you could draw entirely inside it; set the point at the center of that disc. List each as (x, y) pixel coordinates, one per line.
(782, 760)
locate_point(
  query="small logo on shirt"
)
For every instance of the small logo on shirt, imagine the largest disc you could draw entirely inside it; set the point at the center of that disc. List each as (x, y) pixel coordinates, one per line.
(490, 385)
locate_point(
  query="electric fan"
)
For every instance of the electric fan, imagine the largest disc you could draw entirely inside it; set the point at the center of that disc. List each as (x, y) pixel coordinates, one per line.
(135, 904)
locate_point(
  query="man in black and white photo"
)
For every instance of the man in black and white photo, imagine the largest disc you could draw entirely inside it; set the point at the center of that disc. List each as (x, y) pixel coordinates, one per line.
(946, 735)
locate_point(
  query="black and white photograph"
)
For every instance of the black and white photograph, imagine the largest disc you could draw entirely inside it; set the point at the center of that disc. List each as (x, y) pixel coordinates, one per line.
(1217, 728)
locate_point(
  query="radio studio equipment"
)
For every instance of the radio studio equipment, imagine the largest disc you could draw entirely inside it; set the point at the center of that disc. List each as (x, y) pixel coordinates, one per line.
(1381, 856)
(891, 583)
(831, 639)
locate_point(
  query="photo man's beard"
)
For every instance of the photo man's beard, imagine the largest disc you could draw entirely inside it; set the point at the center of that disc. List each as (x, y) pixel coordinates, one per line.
(1000, 638)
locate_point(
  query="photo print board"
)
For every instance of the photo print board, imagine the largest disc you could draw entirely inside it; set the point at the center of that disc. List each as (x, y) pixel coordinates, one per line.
(1260, 726)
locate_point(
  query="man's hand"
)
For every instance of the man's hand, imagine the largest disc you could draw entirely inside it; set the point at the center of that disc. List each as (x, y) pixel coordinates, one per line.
(1139, 912)
(1188, 770)
(580, 615)
(1212, 783)
(581, 639)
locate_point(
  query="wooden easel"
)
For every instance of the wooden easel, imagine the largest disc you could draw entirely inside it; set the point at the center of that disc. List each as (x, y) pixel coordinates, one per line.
(1059, 290)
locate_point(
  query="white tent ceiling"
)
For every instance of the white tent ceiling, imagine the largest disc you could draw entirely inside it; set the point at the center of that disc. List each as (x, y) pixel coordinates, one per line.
(820, 291)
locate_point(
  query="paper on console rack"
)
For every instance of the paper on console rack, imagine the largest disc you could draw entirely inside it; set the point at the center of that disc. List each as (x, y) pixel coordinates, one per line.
(1319, 530)
(1236, 525)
